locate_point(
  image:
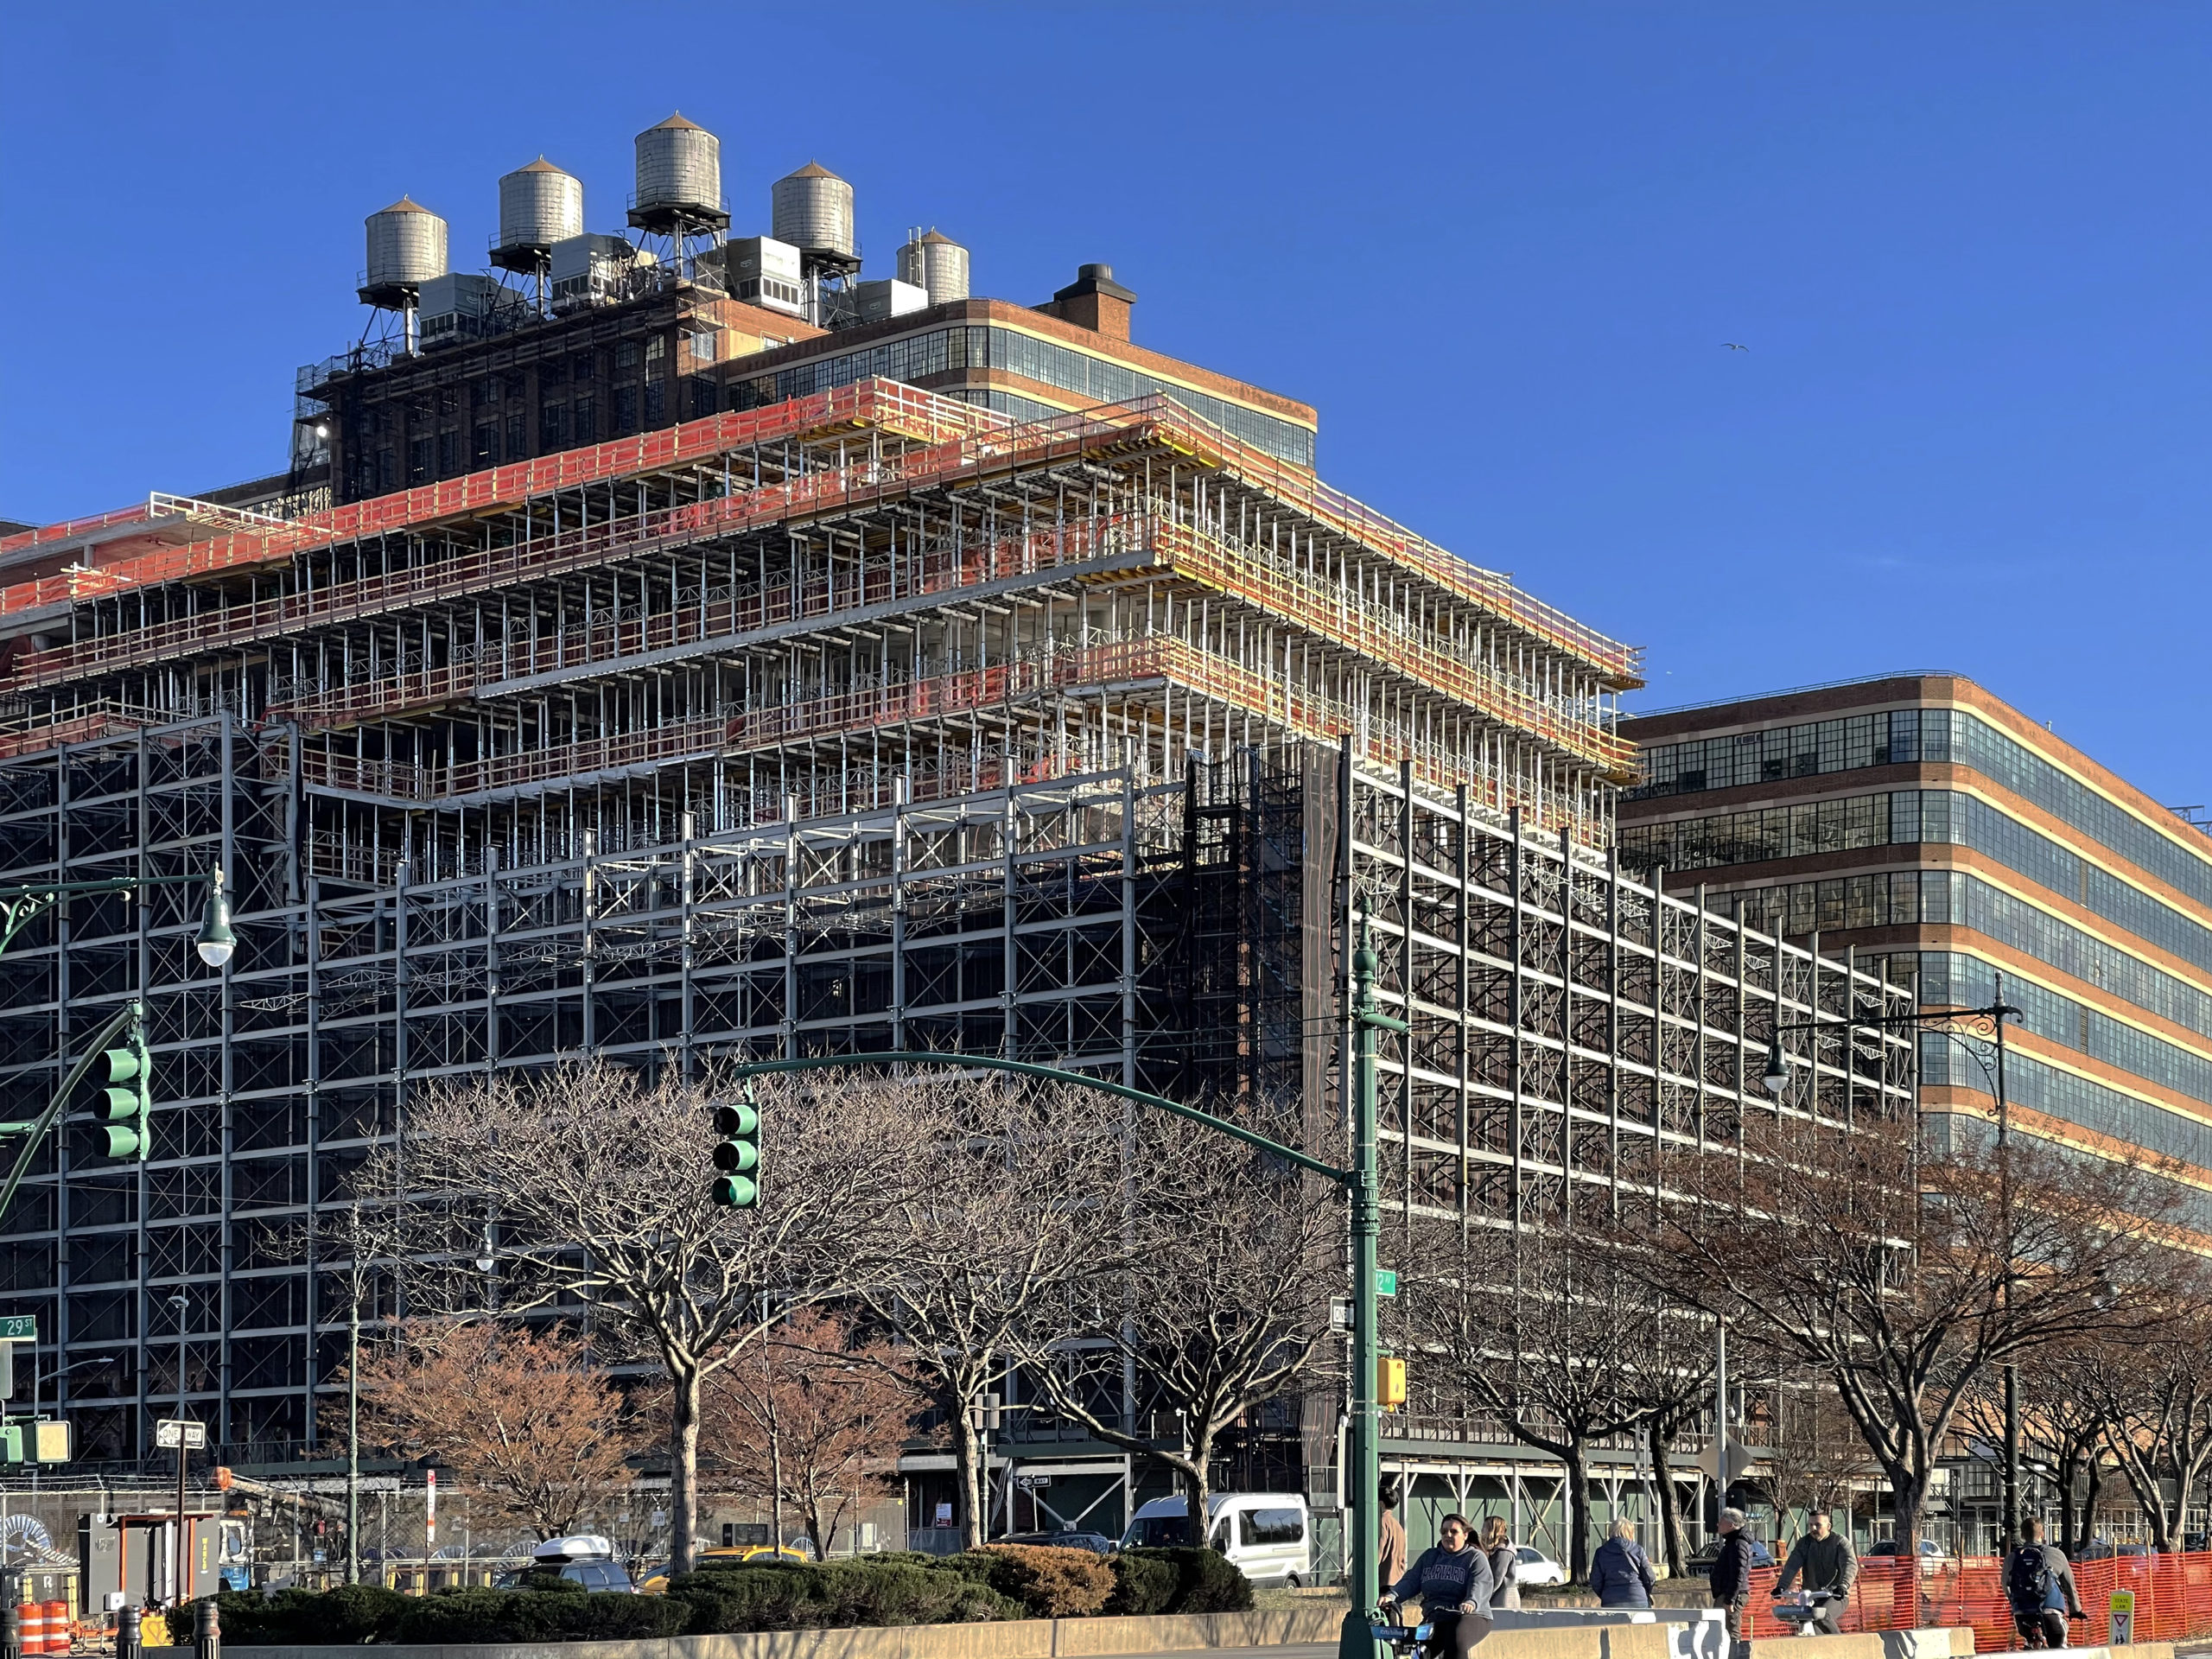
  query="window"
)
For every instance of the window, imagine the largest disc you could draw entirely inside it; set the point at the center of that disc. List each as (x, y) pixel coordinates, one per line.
(552, 374)
(656, 353)
(580, 367)
(484, 391)
(656, 402)
(448, 453)
(386, 472)
(585, 426)
(706, 396)
(449, 400)
(515, 389)
(1270, 1527)
(422, 455)
(517, 436)
(625, 354)
(625, 409)
(552, 428)
(484, 451)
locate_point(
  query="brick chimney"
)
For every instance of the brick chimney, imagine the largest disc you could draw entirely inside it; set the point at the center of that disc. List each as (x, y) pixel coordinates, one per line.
(1094, 300)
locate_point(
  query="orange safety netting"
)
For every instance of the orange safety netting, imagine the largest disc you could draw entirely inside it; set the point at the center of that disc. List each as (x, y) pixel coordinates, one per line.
(2173, 1599)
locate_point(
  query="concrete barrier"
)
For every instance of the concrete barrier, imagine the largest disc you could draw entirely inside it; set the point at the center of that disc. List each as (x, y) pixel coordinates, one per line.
(1564, 1633)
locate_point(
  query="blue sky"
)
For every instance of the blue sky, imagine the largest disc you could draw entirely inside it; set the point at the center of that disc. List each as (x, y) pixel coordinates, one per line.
(1499, 247)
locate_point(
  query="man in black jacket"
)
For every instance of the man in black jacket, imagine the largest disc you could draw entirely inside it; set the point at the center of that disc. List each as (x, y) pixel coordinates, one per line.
(1828, 1562)
(1731, 1577)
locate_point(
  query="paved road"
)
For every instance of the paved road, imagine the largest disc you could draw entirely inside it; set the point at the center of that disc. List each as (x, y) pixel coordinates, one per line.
(1287, 1650)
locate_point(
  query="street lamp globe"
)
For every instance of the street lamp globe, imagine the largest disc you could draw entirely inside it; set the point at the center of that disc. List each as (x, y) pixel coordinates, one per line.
(216, 941)
(1776, 1076)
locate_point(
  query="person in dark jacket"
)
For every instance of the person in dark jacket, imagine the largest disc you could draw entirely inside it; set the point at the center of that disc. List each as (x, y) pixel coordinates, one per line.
(1620, 1572)
(1827, 1561)
(2039, 1585)
(1731, 1577)
(1451, 1582)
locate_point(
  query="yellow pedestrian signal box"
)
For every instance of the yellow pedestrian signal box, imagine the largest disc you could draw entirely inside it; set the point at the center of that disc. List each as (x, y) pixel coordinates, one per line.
(1389, 1383)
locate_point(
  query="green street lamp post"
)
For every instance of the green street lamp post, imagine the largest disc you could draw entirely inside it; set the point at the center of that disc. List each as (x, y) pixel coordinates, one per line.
(1987, 1023)
(1364, 1475)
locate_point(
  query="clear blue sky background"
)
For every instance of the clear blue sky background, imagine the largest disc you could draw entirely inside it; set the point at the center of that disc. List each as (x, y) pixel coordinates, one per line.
(1499, 247)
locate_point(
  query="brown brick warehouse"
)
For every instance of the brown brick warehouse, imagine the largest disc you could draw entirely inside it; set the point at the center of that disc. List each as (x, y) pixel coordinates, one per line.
(846, 714)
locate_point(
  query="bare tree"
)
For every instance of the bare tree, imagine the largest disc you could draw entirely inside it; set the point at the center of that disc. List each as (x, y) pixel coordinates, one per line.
(1902, 1272)
(1218, 1301)
(1005, 1203)
(1555, 1343)
(597, 1180)
(2155, 1395)
(1815, 1458)
(535, 1431)
(2062, 1422)
(813, 1417)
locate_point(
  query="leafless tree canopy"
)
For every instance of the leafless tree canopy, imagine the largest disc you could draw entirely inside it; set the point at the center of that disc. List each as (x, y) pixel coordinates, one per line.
(1214, 1291)
(1561, 1341)
(1006, 1200)
(1902, 1272)
(594, 1182)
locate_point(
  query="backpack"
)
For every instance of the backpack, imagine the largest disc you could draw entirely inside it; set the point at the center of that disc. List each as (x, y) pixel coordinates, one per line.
(2027, 1577)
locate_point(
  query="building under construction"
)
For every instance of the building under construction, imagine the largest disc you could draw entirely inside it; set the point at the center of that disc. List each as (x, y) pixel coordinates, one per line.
(844, 713)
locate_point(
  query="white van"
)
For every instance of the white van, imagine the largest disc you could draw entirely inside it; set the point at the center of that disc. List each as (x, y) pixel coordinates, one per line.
(1268, 1535)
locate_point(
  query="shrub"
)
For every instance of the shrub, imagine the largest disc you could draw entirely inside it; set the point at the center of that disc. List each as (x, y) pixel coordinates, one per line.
(1205, 1581)
(732, 1597)
(351, 1613)
(536, 1615)
(868, 1591)
(1143, 1582)
(1049, 1581)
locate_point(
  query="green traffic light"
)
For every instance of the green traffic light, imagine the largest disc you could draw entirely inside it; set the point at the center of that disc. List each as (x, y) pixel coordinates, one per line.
(128, 1099)
(737, 1153)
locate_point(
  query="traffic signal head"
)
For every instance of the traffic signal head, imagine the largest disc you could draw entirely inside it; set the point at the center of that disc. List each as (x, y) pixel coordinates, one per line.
(128, 1097)
(737, 1154)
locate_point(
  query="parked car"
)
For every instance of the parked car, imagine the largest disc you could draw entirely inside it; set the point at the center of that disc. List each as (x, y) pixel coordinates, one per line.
(1702, 1558)
(1068, 1538)
(1930, 1549)
(1534, 1569)
(1268, 1535)
(582, 1559)
(653, 1580)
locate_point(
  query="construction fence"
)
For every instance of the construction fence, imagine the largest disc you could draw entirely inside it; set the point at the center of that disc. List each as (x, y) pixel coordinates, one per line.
(2172, 1591)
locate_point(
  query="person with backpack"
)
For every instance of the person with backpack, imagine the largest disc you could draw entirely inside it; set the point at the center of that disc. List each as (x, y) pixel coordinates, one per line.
(2039, 1585)
(1826, 1560)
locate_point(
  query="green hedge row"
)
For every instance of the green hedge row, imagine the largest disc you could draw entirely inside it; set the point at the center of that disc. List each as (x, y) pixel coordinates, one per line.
(902, 1588)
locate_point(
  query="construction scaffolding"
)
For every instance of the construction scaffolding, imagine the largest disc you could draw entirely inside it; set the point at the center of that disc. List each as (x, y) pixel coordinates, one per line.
(869, 719)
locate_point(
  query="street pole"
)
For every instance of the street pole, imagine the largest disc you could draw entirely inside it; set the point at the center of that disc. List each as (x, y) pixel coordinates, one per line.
(1356, 1639)
(353, 1407)
(2012, 1518)
(178, 1560)
(1720, 1418)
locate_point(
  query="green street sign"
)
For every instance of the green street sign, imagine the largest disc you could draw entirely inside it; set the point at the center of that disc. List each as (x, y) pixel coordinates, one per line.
(19, 1327)
(1385, 1281)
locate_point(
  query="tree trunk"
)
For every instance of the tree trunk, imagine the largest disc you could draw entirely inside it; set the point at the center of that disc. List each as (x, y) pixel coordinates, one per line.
(683, 1469)
(1578, 1515)
(1909, 1493)
(1197, 1488)
(967, 1458)
(2092, 1484)
(1657, 1433)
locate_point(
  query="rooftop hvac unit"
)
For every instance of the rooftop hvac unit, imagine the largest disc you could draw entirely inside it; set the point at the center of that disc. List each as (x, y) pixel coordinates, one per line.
(886, 297)
(458, 306)
(593, 269)
(763, 271)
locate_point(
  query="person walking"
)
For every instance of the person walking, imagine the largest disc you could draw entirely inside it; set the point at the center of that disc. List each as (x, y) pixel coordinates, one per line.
(1621, 1572)
(1731, 1577)
(1390, 1550)
(1498, 1549)
(1451, 1582)
(2039, 1585)
(1827, 1561)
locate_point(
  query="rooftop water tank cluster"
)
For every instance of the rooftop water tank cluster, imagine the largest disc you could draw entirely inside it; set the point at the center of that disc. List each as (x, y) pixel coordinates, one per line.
(679, 194)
